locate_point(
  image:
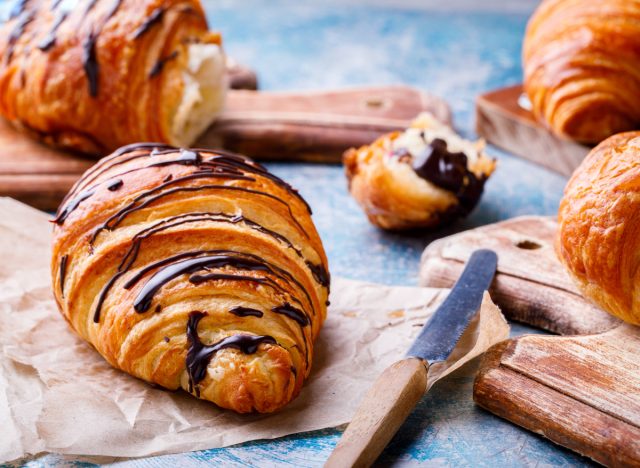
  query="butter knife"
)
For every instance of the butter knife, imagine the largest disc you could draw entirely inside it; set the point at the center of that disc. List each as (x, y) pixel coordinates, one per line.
(401, 386)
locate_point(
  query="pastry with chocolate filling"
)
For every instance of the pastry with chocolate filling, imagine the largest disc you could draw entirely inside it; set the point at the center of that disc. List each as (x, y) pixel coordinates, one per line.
(423, 177)
(93, 75)
(193, 269)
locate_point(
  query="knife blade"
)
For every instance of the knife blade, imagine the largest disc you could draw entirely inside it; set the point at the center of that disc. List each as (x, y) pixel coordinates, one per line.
(399, 388)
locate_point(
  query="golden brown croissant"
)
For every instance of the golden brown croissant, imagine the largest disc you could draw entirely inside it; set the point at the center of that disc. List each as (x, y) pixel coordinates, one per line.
(421, 178)
(193, 269)
(599, 226)
(582, 67)
(98, 74)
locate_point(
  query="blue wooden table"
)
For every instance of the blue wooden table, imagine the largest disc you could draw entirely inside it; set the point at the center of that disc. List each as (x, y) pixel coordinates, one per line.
(454, 52)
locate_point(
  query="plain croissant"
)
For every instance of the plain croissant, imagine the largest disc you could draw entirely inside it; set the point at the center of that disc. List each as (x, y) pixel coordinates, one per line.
(598, 237)
(582, 67)
(193, 269)
(95, 75)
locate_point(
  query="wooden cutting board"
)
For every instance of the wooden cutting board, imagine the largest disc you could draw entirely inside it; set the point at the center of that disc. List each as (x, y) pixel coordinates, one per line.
(309, 126)
(580, 391)
(504, 121)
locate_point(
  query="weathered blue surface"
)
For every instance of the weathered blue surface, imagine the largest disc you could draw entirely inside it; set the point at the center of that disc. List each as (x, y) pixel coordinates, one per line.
(454, 54)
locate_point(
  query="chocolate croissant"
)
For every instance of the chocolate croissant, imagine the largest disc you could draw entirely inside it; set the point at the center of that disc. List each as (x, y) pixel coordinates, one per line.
(598, 238)
(424, 177)
(582, 67)
(193, 269)
(95, 75)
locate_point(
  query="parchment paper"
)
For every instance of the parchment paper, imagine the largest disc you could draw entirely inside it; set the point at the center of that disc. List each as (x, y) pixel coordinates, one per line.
(58, 395)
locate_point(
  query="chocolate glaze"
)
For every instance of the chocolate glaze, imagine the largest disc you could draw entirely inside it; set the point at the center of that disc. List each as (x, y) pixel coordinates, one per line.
(246, 312)
(50, 39)
(199, 355)
(450, 172)
(89, 54)
(155, 17)
(63, 272)
(294, 314)
(69, 207)
(115, 185)
(186, 158)
(320, 273)
(159, 65)
(17, 9)
(90, 63)
(16, 33)
(192, 265)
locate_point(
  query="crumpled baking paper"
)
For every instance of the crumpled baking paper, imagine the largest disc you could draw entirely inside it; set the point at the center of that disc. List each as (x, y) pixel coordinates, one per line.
(58, 395)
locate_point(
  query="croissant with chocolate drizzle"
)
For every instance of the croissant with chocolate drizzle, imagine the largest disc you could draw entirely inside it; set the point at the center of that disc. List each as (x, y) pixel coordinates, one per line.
(193, 269)
(93, 75)
(423, 177)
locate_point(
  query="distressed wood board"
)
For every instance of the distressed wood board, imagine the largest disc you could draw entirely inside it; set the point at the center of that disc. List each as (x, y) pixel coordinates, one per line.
(581, 390)
(503, 122)
(309, 126)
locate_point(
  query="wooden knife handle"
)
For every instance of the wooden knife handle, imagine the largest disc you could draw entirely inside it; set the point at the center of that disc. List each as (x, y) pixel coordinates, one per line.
(381, 413)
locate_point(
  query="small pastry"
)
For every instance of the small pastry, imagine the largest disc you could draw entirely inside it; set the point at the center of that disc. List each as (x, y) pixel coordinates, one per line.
(582, 67)
(94, 75)
(423, 177)
(193, 269)
(598, 237)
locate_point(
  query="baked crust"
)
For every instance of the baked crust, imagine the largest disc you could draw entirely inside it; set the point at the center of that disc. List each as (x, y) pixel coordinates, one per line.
(93, 76)
(581, 69)
(598, 226)
(193, 269)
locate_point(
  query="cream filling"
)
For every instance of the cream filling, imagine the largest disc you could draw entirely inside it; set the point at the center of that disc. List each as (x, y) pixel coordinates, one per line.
(205, 87)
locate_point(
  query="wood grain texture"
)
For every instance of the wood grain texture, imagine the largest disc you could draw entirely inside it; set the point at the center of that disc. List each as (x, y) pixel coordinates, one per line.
(380, 414)
(531, 286)
(580, 392)
(504, 123)
(292, 126)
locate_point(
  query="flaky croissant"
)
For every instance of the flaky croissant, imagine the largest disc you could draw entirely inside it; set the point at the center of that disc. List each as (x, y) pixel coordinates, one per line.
(599, 226)
(193, 269)
(582, 67)
(95, 75)
(421, 178)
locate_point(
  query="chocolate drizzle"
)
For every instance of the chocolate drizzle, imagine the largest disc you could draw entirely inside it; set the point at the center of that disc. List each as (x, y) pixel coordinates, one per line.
(50, 39)
(115, 185)
(294, 314)
(159, 65)
(246, 312)
(63, 272)
(199, 355)
(450, 171)
(320, 273)
(69, 207)
(155, 17)
(183, 266)
(89, 53)
(16, 33)
(17, 9)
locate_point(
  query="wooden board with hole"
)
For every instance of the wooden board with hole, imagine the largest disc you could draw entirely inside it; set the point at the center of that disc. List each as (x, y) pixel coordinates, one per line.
(502, 121)
(311, 126)
(581, 391)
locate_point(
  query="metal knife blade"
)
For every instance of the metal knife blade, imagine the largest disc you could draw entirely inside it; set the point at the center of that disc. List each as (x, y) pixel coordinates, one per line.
(441, 333)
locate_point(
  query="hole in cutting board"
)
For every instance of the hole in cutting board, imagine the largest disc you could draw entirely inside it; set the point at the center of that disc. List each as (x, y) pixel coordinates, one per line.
(528, 245)
(375, 102)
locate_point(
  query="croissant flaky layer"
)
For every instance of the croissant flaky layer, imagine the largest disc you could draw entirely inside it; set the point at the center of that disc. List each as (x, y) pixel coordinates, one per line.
(193, 269)
(598, 235)
(98, 74)
(581, 67)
